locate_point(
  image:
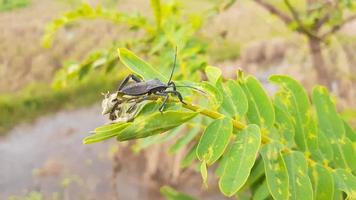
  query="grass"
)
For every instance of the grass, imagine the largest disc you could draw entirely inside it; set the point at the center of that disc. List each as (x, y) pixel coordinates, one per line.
(6, 5)
(39, 99)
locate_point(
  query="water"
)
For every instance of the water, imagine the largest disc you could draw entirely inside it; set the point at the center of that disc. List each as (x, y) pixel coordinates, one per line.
(48, 156)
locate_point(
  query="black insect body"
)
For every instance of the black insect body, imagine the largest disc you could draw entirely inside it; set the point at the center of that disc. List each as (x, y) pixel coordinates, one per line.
(146, 88)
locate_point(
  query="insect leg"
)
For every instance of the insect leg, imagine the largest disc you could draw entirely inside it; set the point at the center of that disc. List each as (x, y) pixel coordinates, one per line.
(135, 105)
(178, 94)
(173, 85)
(164, 102)
(127, 79)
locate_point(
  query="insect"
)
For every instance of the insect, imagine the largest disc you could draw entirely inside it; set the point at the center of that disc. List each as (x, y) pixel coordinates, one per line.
(154, 86)
(120, 108)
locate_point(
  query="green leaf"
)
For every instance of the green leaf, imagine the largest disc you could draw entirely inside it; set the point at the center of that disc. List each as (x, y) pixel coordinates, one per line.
(215, 97)
(294, 99)
(332, 125)
(105, 132)
(155, 123)
(240, 160)
(222, 163)
(329, 120)
(260, 109)
(285, 126)
(345, 181)
(323, 182)
(108, 127)
(257, 172)
(171, 194)
(139, 66)
(213, 73)
(299, 183)
(350, 133)
(276, 171)
(214, 140)
(235, 101)
(324, 145)
(261, 192)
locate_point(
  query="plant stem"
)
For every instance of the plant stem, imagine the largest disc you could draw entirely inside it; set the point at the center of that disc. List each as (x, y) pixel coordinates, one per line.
(212, 114)
(207, 112)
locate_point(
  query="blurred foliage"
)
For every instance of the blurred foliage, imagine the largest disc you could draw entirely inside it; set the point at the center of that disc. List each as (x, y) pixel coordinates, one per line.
(171, 194)
(156, 38)
(38, 99)
(12, 4)
(306, 150)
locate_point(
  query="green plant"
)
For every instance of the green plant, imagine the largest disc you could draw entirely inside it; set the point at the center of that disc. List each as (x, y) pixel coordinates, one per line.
(282, 147)
(155, 38)
(12, 4)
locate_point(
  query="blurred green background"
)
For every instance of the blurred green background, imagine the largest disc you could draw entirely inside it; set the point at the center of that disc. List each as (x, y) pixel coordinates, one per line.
(80, 63)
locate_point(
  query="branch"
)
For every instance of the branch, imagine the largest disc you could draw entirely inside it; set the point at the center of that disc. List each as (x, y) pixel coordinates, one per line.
(322, 21)
(273, 10)
(338, 26)
(301, 27)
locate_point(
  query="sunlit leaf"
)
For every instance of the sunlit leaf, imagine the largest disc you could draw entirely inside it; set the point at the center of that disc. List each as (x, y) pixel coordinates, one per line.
(299, 183)
(276, 171)
(139, 66)
(214, 140)
(240, 160)
(105, 132)
(213, 73)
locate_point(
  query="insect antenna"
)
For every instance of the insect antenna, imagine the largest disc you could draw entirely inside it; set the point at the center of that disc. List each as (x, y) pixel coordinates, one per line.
(174, 66)
(194, 88)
